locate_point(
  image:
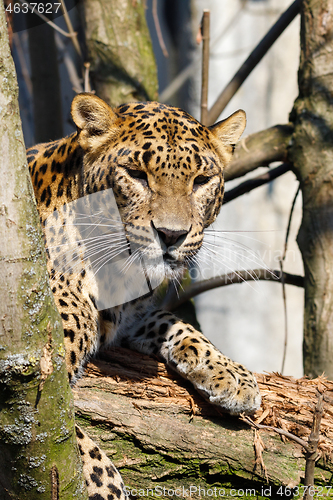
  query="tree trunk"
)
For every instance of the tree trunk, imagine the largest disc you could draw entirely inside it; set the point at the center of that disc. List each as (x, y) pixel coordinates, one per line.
(119, 51)
(161, 434)
(312, 155)
(38, 456)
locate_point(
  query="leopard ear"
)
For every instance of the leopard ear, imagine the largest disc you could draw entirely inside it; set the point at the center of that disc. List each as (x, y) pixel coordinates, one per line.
(94, 119)
(229, 130)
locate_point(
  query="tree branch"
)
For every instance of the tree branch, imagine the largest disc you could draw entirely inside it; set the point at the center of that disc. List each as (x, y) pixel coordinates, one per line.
(260, 180)
(251, 62)
(171, 301)
(47, 20)
(160, 432)
(259, 150)
(205, 32)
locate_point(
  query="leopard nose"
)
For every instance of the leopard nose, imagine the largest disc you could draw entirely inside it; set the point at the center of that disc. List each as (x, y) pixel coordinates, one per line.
(171, 237)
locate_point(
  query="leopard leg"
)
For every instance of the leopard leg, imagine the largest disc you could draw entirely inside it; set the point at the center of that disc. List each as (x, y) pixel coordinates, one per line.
(222, 381)
(102, 478)
(84, 329)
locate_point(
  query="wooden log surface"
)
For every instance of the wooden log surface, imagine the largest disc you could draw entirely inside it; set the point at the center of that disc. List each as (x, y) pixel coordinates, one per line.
(160, 433)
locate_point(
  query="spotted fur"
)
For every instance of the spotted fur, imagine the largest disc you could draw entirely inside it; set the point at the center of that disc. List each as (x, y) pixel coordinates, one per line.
(166, 172)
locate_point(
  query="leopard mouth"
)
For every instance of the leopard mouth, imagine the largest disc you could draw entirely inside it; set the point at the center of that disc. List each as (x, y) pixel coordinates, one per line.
(172, 262)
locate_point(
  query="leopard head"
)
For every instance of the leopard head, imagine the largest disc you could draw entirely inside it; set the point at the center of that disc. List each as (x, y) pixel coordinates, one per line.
(165, 170)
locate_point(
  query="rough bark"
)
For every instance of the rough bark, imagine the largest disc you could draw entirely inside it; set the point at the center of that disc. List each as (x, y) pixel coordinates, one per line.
(160, 433)
(37, 440)
(312, 155)
(119, 50)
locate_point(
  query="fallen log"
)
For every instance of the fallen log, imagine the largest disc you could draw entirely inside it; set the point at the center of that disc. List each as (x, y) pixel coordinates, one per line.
(161, 434)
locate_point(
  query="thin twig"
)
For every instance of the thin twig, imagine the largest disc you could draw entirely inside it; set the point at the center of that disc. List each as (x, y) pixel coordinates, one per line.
(251, 62)
(158, 29)
(192, 67)
(70, 29)
(194, 289)
(87, 86)
(285, 312)
(205, 32)
(289, 223)
(47, 20)
(260, 180)
(283, 283)
(311, 450)
(275, 429)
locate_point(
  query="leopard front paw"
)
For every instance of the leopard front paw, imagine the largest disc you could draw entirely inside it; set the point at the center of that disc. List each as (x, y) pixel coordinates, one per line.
(223, 382)
(227, 385)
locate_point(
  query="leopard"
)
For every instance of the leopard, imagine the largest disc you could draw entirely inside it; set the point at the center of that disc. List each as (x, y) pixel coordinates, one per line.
(165, 171)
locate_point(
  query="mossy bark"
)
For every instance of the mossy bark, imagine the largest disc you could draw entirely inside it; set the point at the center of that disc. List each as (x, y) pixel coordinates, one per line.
(38, 455)
(312, 155)
(119, 50)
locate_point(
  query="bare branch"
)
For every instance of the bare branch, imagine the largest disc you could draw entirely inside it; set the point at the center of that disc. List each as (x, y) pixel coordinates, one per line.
(171, 302)
(251, 62)
(70, 29)
(260, 180)
(47, 20)
(284, 297)
(205, 29)
(283, 283)
(282, 432)
(259, 150)
(158, 30)
(193, 67)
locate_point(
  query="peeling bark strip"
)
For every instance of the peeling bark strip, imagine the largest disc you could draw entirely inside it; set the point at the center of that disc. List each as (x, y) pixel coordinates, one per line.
(54, 475)
(259, 447)
(46, 366)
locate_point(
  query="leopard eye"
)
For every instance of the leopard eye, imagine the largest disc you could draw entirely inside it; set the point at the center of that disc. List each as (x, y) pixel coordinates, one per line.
(139, 175)
(200, 180)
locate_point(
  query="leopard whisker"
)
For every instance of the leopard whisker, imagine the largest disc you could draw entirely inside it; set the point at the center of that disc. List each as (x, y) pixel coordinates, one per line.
(102, 261)
(87, 241)
(227, 242)
(251, 257)
(131, 259)
(207, 257)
